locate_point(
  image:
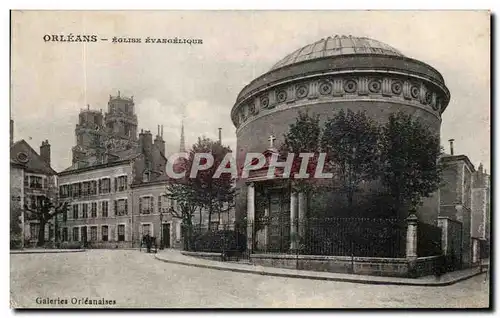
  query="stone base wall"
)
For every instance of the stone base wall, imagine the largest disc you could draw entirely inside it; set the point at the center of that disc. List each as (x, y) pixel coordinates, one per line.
(394, 267)
(110, 245)
(204, 255)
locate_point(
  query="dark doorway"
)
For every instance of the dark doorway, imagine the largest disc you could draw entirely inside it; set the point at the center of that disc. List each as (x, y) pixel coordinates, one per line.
(165, 235)
(84, 235)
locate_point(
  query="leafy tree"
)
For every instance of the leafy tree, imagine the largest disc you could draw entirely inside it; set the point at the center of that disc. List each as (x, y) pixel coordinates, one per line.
(303, 136)
(183, 194)
(216, 195)
(44, 212)
(350, 141)
(411, 168)
(203, 192)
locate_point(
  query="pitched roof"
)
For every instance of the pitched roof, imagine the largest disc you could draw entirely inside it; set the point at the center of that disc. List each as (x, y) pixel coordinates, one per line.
(93, 162)
(33, 162)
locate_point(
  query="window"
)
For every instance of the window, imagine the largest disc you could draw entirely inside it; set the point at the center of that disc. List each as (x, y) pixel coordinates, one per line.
(104, 209)
(178, 231)
(26, 181)
(65, 234)
(104, 185)
(146, 229)
(85, 210)
(121, 183)
(34, 229)
(214, 225)
(93, 233)
(93, 188)
(76, 234)
(86, 188)
(121, 207)
(35, 182)
(64, 191)
(93, 209)
(146, 205)
(104, 231)
(121, 232)
(44, 185)
(65, 215)
(75, 211)
(146, 176)
(76, 187)
(162, 203)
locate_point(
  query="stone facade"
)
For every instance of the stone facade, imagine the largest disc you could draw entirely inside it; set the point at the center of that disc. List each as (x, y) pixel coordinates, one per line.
(456, 198)
(373, 77)
(150, 206)
(98, 207)
(16, 205)
(480, 227)
(113, 172)
(99, 136)
(38, 181)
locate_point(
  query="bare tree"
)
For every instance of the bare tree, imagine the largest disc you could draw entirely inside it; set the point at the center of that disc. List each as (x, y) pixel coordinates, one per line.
(44, 212)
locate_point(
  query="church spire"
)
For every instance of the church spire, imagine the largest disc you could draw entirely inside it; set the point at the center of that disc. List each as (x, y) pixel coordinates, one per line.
(182, 147)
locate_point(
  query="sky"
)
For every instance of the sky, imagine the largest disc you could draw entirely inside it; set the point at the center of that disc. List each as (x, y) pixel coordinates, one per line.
(52, 81)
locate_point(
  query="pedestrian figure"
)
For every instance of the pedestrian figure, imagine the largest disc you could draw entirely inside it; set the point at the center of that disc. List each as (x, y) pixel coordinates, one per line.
(147, 240)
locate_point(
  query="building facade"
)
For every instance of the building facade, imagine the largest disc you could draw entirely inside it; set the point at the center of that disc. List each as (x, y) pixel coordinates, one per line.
(116, 184)
(32, 180)
(324, 77)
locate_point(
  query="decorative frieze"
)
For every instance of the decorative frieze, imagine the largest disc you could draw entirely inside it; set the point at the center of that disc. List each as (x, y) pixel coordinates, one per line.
(324, 88)
(338, 89)
(363, 86)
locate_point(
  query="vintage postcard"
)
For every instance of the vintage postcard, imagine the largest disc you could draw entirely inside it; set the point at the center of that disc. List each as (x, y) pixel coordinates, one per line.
(250, 159)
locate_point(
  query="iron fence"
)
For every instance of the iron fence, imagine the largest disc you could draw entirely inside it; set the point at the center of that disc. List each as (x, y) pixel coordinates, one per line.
(363, 237)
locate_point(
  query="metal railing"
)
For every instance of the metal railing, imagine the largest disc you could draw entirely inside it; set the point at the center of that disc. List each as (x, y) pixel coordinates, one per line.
(361, 237)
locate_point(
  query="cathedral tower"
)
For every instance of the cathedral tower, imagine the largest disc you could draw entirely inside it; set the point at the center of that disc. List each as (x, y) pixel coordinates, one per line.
(90, 133)
(121, 122)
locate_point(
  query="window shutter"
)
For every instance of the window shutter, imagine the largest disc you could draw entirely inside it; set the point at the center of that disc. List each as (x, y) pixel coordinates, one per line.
(116, 207)
(140, 205)
(113, 233)
(116, 184)
(126, 183)
(126, 207)
(99, 187)
(159, 204)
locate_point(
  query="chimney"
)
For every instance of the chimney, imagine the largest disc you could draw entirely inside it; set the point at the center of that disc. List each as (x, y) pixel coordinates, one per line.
(159, 142)
(220, 135)
(145, 141)
(11, 132)
(451, 146)
(45, 151)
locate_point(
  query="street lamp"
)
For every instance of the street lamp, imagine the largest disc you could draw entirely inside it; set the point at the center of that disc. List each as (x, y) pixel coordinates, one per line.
(161, 230)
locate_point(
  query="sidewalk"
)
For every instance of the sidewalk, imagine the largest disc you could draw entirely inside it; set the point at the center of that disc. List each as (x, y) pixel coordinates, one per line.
(175, 257)
(42, 250)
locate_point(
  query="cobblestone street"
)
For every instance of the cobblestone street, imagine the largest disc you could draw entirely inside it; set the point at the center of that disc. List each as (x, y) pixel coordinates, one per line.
(135, 279)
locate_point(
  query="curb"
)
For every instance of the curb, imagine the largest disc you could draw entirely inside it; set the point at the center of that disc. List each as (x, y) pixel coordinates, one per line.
(48, 251)
(335, 279)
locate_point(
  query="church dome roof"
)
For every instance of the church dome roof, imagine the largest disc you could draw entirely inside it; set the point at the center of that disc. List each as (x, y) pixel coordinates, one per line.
(337, 45)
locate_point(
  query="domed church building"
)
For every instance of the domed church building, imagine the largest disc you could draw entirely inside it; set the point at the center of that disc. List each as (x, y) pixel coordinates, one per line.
(335, 73)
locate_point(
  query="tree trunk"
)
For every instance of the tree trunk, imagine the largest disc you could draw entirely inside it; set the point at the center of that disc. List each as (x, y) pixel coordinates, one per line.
(201, 216)
(41, 233)
(209, 217)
